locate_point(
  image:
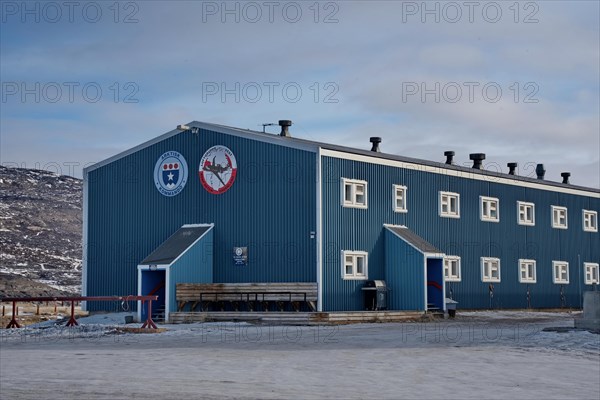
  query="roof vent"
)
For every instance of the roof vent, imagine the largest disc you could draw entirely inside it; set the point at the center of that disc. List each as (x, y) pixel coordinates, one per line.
(375, 140)
(285, 127)
(565, 176)
(477, 159)
(449, 155)
(512, 166)
(540, 171)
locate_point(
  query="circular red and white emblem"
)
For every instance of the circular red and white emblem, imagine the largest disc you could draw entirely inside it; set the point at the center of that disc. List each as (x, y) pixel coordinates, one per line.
(217, 169)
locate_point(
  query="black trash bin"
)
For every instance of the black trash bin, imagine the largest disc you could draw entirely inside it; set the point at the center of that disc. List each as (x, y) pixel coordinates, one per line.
(375, 295)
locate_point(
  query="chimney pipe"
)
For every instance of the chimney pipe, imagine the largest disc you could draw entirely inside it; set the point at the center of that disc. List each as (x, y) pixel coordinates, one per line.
(477, 159)
(540, 171)
(375, 140)
(565, 176)
(285, 125)
(512, 166)
(449, 155)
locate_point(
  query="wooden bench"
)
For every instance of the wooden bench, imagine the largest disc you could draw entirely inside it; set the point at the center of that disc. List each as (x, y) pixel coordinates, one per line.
(252, 295)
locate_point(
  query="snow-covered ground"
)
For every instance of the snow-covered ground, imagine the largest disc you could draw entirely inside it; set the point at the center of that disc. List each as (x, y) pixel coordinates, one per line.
(478, 355)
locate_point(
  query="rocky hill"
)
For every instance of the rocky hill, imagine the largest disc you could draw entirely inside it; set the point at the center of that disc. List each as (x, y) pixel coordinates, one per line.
(40, 233)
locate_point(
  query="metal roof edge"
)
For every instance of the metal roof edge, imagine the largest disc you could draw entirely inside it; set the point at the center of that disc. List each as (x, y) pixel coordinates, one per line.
(238, 132)
(132, 150)
(452, 167)
(313, 146)
(210, 227)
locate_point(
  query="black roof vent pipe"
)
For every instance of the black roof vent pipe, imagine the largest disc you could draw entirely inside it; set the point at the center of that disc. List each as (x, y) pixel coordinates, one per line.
(449, 155)
(512, 166)
(375, 140)
(565, 176)
(540, 171)
(477, 159)
(285, 127)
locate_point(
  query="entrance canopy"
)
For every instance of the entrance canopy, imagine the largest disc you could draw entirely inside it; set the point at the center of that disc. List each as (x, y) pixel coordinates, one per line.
(172, 248)
(414, 271)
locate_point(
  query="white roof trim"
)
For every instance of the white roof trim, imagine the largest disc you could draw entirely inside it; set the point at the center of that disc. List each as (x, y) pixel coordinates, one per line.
(247, 134)
(460, 173)
(425, 255)
(197, 226)
(354, 154)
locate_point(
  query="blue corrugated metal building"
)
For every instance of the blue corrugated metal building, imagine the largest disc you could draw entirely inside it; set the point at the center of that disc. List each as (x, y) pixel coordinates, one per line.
(283, 209)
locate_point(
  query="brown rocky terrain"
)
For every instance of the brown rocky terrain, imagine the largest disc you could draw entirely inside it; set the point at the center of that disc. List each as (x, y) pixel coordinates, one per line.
(40, 233)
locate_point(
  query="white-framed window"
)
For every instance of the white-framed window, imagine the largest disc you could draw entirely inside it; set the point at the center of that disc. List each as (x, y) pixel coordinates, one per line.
(489, 209)
(560, 272)
(525, 213)
(590, 221)
(354, 193)
(399, 198)
(592, 273)
(452, 268)
(559, 217)
(490, 269)
(449, 205)
(355, 264)
(527, 271)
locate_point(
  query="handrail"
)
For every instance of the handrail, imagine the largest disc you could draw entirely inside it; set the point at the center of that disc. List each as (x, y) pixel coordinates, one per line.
(72, 322)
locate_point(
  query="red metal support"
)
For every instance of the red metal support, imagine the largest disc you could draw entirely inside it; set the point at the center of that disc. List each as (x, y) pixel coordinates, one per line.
(72, 321)
(149, 323)
(13, 322)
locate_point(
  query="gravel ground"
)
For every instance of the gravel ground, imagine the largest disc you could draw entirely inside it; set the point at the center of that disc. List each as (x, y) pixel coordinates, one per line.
(500, 355)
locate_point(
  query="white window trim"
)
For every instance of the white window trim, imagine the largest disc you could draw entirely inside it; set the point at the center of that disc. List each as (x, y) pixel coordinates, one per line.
(487, 218)
(556, 279)
(522, 264)
(355, 255)
(490, 279)
(453, 278)
(554, 222)
(353, 203)
(525, 204)
(585, 273)
(394, 198)
(595, 214)
(449, 215)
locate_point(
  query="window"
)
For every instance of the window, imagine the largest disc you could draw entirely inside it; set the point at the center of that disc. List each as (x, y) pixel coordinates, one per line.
(449, 205)
(354, 193)
(490, 269)
(560, 272)
(526, 213)
(559, 217)
(400, 198)
(591, 273)
(527, 271)
(590, 221)
(354, 265)
(452, 268)
(489, 209)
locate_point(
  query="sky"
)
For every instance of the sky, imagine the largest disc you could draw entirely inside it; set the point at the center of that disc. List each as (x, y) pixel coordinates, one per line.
(519, 81)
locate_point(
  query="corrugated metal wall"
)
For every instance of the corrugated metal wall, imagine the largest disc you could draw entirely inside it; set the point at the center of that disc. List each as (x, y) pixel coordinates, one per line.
(405, 274)
(467, 237)
(271, 209)
(194, 266)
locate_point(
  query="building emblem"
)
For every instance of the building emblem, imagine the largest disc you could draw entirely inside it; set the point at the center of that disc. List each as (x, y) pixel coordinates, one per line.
(217, 169)
(170, 173)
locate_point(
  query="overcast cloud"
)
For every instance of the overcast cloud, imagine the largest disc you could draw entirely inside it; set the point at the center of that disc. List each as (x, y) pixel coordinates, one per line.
(517, 81)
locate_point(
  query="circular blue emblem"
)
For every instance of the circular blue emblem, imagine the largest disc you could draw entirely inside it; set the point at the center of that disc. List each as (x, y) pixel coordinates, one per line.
(170, 173)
